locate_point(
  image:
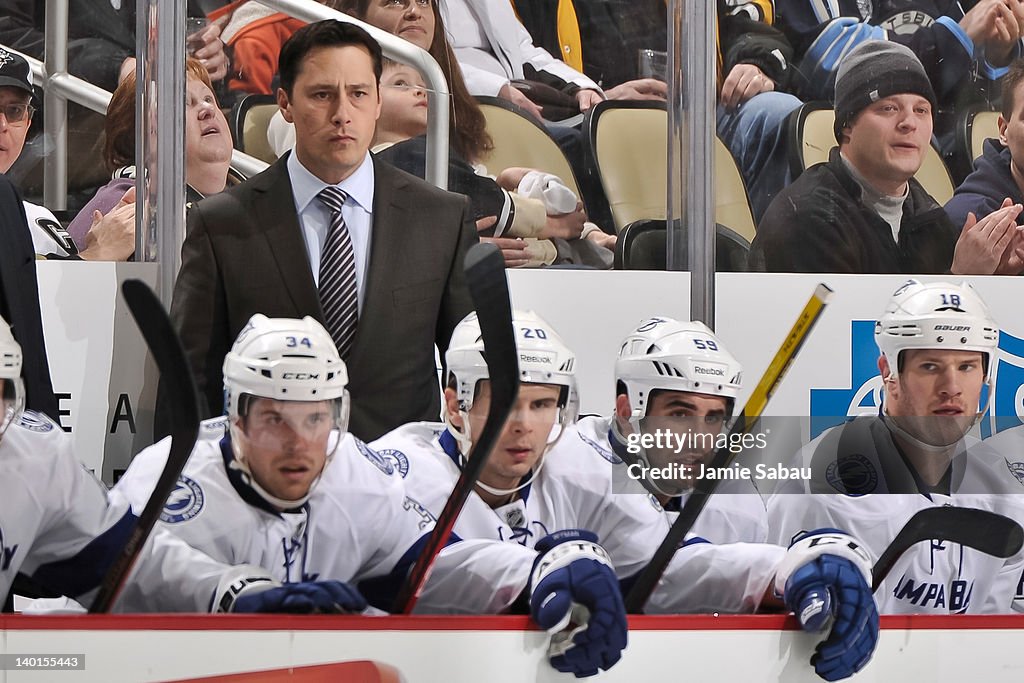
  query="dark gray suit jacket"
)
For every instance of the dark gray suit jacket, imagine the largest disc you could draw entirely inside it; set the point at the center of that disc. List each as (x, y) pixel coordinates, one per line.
(245, 254)
(20, 305)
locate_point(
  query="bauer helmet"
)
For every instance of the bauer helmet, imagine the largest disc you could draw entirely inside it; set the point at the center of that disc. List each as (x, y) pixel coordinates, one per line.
(665, 354)
(939, 315)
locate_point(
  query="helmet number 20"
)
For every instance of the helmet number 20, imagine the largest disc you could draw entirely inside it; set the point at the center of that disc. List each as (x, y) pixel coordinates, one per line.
(533, 333)
(705, 344)
(292, 342)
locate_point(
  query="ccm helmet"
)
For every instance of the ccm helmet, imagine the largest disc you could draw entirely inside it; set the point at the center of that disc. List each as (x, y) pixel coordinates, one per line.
(284, 359)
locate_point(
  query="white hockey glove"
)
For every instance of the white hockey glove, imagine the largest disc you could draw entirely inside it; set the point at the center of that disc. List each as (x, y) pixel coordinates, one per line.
(574, 595)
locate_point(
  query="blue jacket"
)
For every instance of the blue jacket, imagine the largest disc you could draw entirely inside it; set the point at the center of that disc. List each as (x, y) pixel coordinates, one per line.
(985, 189)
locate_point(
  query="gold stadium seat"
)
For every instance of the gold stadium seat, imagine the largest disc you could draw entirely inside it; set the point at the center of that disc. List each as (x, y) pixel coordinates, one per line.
(812, 138)
(628, 142)
(249, 120)
(520, 140)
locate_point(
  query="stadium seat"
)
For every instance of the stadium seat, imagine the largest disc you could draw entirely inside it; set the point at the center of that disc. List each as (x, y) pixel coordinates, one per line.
(249, 120)
(812, 137)
(520, 140)
(642, 246)
(973, 126)
(628, 142)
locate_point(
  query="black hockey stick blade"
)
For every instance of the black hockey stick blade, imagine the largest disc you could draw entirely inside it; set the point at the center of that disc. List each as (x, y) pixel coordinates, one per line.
(770, 380)
(488, 285)
(170, 359)
(991, 533)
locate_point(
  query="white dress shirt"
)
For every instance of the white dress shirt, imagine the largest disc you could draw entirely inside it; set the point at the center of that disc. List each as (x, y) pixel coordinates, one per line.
(315, 218)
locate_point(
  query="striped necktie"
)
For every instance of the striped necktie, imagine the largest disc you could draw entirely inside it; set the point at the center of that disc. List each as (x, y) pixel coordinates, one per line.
(338, 295)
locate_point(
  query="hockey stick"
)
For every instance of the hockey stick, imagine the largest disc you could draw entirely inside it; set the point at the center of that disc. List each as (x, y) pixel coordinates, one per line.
(991, 533)
(488, 285)
(651, 574)
(170, 359)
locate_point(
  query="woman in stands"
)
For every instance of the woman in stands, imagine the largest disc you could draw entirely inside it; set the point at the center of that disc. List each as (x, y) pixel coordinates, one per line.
(207, 146)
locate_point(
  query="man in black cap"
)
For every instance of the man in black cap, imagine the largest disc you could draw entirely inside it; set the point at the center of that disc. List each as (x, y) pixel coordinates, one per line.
(19, 296)
(112, 236)
(863, 211)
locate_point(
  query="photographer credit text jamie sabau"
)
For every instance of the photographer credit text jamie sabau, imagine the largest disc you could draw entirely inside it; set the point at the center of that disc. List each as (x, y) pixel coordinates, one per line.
(667, 440)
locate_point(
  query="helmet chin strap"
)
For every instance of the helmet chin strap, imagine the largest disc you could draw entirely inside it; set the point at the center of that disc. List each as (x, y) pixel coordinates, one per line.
(641, 455)
(239, 464)
(893, 426)
(465, 441)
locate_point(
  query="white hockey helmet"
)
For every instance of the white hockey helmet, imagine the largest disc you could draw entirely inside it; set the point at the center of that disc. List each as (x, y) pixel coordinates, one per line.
(284, 359)
(666, 354)
(543, 359)
(939, 315)
(12, 398)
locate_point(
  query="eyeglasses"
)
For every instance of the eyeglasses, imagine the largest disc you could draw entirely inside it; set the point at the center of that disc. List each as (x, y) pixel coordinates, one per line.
(16, 113)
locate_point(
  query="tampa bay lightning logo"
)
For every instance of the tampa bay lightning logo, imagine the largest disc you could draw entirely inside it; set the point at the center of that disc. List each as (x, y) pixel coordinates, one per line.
(601, 450)
(830, 407)
(35, 422)
(1017, 470)
(184, 502)
(852, 474)
(374, 457)
(396, 459)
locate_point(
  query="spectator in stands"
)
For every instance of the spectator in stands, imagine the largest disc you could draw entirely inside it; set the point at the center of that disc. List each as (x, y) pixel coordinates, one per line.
(101, 36)
(553, 222)
(254, 33)
(998, 176)
(863, 211)
(964, 45)
(754, 71)
(426, 30)
(106, 236)
(207, 148)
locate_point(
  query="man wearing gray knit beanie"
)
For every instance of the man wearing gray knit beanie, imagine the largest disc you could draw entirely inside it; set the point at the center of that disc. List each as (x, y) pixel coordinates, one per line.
(862, 211)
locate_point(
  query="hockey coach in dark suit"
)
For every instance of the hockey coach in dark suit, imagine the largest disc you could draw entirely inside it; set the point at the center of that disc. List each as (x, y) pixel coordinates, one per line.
(332, 232)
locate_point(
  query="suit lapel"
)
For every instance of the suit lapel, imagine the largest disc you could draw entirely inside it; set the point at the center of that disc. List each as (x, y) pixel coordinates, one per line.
(388, 215)
(273, 210)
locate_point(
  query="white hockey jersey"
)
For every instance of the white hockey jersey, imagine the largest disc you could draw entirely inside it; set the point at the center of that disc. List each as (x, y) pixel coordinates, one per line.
(58, 526)
(358, 526)
(735, 514)
(574, 489)
(934, 578)
(48, 236)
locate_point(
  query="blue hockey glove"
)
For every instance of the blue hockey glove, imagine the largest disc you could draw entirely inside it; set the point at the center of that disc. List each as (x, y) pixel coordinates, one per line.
(311, 597)
(574, 595)
(825, 579)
